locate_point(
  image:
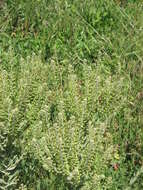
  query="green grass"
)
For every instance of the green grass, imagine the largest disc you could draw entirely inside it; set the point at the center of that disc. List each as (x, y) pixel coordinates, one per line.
(71, 94)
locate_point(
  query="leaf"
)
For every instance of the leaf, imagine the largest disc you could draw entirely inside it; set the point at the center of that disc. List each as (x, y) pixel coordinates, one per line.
(116, 156)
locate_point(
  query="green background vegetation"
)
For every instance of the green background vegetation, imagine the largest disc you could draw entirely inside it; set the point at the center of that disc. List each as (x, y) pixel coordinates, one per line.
(71, 94)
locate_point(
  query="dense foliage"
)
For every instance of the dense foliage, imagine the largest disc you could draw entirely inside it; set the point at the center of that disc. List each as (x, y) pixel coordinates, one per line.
(71, 94)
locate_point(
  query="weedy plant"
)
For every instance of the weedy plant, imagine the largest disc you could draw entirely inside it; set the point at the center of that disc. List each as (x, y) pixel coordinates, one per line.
(65, 121)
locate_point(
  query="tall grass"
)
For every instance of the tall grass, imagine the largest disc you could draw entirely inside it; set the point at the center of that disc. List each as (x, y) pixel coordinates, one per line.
(71, 94)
